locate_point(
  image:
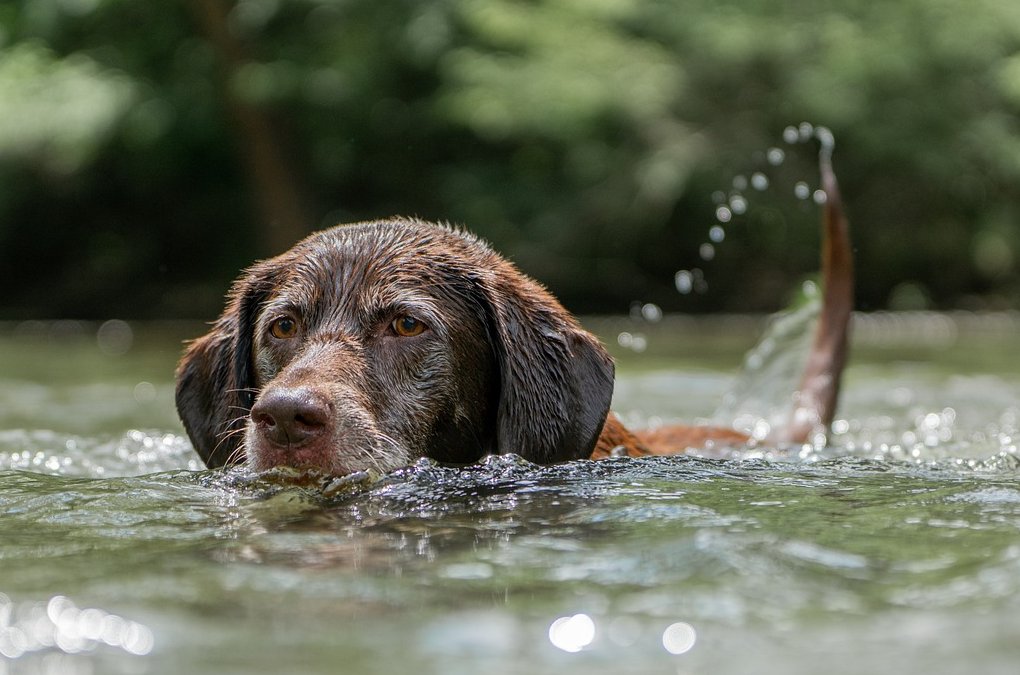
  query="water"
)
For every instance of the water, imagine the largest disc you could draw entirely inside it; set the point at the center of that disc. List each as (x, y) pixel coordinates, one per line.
(895, 548)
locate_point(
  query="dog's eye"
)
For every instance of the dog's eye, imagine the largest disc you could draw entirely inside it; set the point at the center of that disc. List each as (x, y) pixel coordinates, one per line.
(283, 328)
(407, 326)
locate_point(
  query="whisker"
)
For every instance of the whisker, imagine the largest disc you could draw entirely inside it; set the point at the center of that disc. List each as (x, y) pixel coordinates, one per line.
(231, 430)
(237, 456)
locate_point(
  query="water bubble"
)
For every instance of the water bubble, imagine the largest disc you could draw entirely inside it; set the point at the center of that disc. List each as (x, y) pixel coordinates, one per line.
(572, 633)
(759, 181)
(716, 234)
(739, 182)
(651, 312)
(791, 135)
(684, 281)
(801, 190)
(679, 638)
(738, 204)
(819, 196)
(806, 130)
(775, 156)
(719, 197)
(723, 214)
(707, 251)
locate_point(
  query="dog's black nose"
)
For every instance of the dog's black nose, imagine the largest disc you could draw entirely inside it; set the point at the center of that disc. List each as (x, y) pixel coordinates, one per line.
(291, 417)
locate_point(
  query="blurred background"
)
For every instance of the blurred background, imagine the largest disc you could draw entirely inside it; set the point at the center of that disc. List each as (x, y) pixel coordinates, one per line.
(149, 150)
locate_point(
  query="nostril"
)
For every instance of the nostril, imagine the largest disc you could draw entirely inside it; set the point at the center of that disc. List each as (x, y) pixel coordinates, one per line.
(263, 419)
(291, 416)
(313, 415)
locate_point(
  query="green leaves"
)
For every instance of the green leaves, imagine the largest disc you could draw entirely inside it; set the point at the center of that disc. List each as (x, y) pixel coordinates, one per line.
(56, 113)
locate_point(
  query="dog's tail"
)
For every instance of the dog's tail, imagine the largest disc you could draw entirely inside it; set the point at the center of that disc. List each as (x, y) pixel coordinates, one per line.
(816, 396)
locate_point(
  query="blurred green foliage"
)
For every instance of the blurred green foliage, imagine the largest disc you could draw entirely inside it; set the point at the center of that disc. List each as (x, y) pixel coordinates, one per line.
(149, 150)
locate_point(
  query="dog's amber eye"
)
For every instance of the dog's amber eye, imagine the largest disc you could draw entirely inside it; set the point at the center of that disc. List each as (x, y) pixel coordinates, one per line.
(407, 326)
(283, 328)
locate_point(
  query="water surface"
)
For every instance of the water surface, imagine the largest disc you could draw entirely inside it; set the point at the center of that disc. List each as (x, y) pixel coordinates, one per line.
(893, 548)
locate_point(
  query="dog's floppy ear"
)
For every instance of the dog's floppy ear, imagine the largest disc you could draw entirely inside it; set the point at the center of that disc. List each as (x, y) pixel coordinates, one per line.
(216, 375)
(556, 379)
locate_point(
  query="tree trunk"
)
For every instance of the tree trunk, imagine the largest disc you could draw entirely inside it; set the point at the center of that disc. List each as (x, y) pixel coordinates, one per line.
(278, 192)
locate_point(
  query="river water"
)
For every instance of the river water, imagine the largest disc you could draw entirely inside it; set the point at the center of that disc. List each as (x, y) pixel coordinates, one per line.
(893, 548)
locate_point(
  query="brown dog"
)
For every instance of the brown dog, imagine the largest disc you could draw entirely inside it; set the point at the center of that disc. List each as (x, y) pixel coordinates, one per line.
(367, 346)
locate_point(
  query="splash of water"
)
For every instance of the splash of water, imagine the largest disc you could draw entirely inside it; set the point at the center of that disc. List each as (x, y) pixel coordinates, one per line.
(759, 398)
(734, 203)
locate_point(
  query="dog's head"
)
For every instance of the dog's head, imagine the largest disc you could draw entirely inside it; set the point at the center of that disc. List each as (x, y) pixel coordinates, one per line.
(370, 345)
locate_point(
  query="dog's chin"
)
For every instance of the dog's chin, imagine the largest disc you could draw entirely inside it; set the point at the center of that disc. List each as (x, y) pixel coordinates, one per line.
(327, 457)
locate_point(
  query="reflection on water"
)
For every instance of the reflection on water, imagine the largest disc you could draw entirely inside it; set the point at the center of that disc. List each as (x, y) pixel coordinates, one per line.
(894, 547)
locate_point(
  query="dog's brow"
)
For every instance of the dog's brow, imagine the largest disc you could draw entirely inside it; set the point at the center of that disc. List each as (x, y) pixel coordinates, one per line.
(419, 306)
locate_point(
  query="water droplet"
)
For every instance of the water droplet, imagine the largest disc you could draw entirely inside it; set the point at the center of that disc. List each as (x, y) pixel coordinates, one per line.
(806, 131)
(825, 137)
(700, 284)
(820, 197)
(719, 197)
(707, 251)
(723, 214)
(651, 312)
(791, 135)
(684, 281)
(801, 190)
(775, 156)
(738, 204)
(716, 234)
(739, 182)
(759, 181)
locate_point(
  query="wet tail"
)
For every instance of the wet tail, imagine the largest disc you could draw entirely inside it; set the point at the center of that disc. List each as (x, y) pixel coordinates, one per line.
(817, 395)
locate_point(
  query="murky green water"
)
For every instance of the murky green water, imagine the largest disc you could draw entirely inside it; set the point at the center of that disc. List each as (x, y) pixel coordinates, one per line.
(895, 549)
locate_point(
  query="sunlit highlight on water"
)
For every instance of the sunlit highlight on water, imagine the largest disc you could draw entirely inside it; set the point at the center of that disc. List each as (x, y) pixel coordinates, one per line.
(679, 638)
(572, 633)
(61, 625)
(136, 452)
(115, 337)
(577, 632)
(636, 342)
